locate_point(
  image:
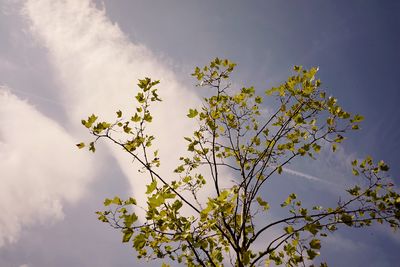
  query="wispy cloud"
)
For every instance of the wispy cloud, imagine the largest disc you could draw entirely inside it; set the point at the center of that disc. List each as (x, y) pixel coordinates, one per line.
(39, 165)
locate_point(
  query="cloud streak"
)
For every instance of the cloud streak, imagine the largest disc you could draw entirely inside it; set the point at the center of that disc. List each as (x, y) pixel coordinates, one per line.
(305, 175)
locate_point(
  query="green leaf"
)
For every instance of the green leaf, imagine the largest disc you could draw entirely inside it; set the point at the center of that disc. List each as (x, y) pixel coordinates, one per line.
(127, 129)
(279, 169)
(289, 229)
(168, 195)
(192, 113)
(102, 217)
(119, 114)
(127, 235)
(116, 201)
(130, 201)
(312, 254)
(355, 191)
(92, 147)
(139, 241)
(156, 201)
(107, 202)
(334, 147)
(315, 244)
(383, 166)
(287, 201)
(397, 203)
(312, 228)
(136, 118)
(223, 196)
(271, 91)
(147, 117)
(316, 147)
(129, 219)
(140, 97)
(357, 118)
(297, 68)
(347, 219)
(89, 121)
(180, 169)
(80, 145)
(151, 187)
(339, 138)
(263, 203)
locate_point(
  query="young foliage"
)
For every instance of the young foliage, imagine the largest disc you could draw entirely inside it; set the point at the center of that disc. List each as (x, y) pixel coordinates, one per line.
(234, 134)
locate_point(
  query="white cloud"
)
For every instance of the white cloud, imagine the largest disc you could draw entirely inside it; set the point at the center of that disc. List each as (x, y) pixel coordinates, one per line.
(40, 167)
(98, 70)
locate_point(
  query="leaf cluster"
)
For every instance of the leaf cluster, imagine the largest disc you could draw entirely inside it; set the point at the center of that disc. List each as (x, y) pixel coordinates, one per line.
(235, 134)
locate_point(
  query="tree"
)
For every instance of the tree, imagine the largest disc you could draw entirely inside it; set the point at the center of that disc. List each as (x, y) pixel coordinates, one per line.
(235, 135)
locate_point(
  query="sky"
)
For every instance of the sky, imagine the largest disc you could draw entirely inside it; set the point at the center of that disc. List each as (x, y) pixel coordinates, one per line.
(61, 60)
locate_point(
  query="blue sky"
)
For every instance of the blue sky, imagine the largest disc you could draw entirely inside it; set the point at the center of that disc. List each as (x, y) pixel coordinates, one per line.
(62, 60)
